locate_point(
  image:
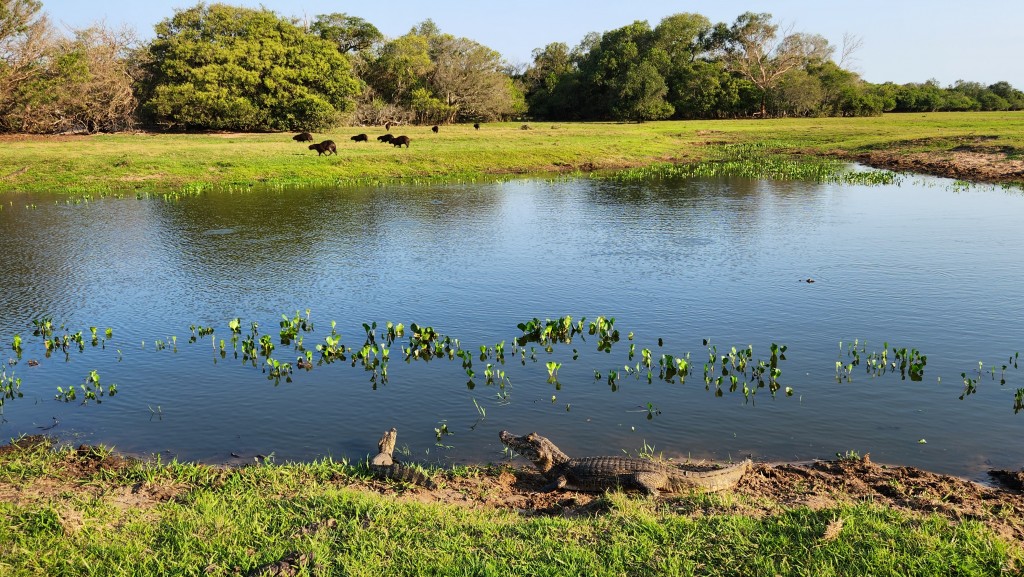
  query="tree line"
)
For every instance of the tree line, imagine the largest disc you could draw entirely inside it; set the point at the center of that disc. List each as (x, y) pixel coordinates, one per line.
(223, 67)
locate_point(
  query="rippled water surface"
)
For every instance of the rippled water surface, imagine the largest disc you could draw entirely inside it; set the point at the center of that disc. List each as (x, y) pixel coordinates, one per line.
(918, 266)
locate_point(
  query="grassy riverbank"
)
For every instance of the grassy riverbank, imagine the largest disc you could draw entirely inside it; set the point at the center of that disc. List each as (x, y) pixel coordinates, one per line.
(144, 162)
(90, 512)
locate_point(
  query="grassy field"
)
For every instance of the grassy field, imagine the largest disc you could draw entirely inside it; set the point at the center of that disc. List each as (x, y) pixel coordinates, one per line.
(144, 162)
(85, 512)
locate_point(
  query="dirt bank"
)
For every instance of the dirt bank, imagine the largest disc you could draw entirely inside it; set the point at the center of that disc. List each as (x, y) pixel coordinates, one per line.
(975, 159)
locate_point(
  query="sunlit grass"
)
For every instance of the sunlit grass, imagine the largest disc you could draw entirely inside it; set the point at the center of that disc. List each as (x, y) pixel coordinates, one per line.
(145, 164)
(233, 521)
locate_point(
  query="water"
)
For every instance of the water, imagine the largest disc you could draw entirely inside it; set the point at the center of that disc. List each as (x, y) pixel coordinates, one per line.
(918, 265)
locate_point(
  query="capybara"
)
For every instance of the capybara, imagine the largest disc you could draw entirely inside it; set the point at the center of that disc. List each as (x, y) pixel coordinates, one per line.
(360, 138)
(304, 137)
(476, 125)
(434, 128)
(387, 125)
(325, 147)
(400, 140)
(385, 137)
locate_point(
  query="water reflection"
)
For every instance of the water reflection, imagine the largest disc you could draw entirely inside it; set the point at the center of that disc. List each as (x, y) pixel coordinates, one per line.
(681, 261)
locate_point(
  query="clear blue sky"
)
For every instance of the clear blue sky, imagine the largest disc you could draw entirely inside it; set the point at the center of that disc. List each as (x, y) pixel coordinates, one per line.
(903, 40)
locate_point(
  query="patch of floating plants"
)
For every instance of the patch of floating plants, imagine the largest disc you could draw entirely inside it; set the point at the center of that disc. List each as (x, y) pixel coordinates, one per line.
(733, 369)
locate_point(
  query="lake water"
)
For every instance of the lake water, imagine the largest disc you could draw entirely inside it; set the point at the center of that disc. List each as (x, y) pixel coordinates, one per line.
(919, 265)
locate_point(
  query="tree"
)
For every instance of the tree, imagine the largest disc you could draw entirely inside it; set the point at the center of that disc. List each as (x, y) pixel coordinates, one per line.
(754, 51)
(548, 82)
(1013, 97)
(25, 39)
(231, 68)
(92, 76)
(468, 78)
(348, 33)
(797, 94)
(427, 76)
(642, 94)
(401, 67)
(620, 75)
(683, 38)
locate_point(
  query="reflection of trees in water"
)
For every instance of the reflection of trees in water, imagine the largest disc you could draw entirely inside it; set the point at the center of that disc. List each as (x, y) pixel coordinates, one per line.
(65, 261)
(307, 247)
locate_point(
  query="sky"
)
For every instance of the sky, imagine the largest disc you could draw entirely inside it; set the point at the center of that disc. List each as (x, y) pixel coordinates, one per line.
(901, 40)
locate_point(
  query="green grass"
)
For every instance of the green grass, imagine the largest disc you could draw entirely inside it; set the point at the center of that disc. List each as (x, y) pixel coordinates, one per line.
(153, 163)
(222, 521)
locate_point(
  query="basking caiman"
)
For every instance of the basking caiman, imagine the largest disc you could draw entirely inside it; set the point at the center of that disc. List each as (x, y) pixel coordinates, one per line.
(385, 466)
(604, 473)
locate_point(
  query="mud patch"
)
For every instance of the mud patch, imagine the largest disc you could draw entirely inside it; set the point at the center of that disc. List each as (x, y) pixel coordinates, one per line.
(977, 159)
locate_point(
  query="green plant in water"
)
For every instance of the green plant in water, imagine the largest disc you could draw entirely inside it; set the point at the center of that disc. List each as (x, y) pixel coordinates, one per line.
(605, 331)
(441, 431)
(92, 390)
(553, 367)
(198, 332)
(849, 455)
(290, 327)
(277, 370)
(332, 349)
(43, 326)
(10, 386)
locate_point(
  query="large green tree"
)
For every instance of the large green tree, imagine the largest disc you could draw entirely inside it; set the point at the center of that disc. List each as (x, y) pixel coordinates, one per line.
(430, 77)
(231, 68)
(348, 33)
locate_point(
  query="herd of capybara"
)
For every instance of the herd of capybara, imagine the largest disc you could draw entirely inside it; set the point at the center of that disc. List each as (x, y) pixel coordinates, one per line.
(328, 146)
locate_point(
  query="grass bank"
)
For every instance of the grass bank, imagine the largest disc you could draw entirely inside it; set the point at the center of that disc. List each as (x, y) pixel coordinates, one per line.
(142, 163)
(90, 512)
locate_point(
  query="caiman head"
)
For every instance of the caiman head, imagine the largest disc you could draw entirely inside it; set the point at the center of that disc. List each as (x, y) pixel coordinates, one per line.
(536, 448)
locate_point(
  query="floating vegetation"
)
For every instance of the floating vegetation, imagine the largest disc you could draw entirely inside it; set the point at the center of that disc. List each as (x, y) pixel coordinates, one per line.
(909, 363)
(198, 332)
(92, 390)
(733, 369)
(758, 161)
(972, 378)
(730, 370)
(10, 386)
(290, 327)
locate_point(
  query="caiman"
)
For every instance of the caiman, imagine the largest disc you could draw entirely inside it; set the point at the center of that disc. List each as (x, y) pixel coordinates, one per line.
(595, 474)
(384, 465)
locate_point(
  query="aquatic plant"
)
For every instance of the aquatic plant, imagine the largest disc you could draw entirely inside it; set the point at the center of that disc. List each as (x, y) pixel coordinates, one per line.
(92, 390)
(10, 386)
(290, 327)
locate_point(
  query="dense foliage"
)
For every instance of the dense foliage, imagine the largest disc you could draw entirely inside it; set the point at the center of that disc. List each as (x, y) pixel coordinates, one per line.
(231, 68)
(429, 77)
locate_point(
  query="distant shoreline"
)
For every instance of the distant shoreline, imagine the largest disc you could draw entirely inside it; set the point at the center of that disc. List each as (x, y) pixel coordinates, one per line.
(983, 147)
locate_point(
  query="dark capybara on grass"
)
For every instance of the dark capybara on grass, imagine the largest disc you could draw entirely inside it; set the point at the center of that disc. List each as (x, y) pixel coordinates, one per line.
(434, 128)
(387, 125)
(385, 137)
(360, 138)
(400, 140)
(476, 125)
(303, 137)
(325, 147)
